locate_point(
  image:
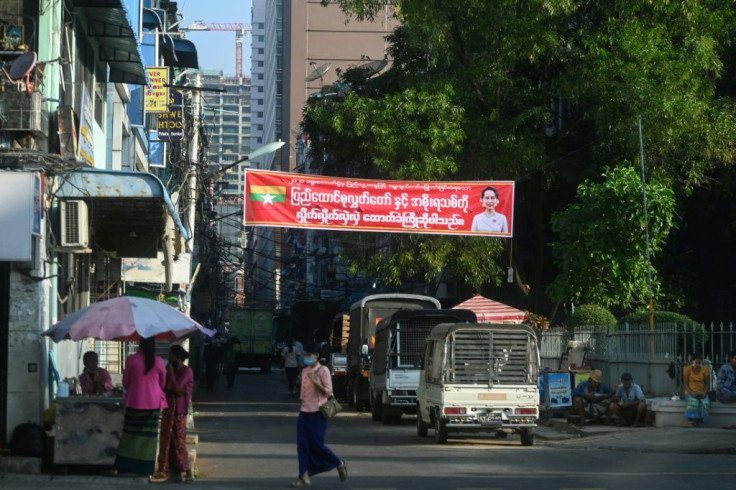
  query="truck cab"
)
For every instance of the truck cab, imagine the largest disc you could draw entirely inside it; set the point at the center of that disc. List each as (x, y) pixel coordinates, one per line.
(364, 317)
(479, 378)
(394, 373)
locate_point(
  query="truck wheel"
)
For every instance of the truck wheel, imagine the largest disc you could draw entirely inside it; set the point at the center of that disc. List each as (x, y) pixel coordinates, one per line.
(422, 426)
(527, 436)
(440, 430)
(375, 409)
(388, 417)
(351, 397)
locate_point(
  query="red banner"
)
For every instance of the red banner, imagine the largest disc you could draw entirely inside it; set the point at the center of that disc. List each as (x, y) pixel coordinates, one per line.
(287, 200)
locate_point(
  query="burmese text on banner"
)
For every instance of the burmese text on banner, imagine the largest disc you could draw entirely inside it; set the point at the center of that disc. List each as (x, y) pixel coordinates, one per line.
(288, 200)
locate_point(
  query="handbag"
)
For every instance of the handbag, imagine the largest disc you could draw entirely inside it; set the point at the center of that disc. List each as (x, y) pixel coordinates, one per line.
(330, 408)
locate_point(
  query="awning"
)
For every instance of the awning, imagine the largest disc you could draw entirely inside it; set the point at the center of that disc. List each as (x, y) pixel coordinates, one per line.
(488, 310)
(127, 209)
(108, 23)
(186, 54)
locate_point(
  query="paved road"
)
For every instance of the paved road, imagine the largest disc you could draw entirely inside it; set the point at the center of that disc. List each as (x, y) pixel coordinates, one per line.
(247, 440)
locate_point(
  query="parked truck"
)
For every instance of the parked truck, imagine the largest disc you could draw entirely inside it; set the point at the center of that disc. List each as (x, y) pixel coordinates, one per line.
(364, 316)
(479, 378)
(394, 374)
(253, 327)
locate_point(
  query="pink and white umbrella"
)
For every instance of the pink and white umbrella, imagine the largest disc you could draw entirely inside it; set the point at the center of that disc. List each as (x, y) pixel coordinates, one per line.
(126, 318)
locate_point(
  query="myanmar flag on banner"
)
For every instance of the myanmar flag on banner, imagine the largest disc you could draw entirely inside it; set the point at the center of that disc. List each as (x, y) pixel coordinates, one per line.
(268, 193)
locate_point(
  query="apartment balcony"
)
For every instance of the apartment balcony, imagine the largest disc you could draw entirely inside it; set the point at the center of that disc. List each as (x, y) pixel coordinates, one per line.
(22, 111)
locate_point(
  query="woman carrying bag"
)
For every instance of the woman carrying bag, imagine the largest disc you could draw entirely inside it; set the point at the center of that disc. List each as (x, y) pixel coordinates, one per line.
(314, 456)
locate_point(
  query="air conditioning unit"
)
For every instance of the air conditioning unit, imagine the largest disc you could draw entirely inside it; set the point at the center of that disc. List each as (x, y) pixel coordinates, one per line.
(74, 224)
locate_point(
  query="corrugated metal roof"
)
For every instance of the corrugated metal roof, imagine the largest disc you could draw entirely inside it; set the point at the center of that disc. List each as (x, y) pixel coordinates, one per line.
(108, 22)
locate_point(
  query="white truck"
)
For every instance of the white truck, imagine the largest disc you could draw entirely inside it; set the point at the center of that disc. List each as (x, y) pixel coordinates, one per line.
(479, 378)
(394, 373)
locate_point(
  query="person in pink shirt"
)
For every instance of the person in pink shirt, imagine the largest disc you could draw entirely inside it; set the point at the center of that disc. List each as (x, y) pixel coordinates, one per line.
(94, 380)
(173, 458)
(144, 379)
(314, 456)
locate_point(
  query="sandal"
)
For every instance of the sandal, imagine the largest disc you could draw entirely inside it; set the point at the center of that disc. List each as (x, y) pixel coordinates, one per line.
(342, 470)
(300, 483)
(158, 478)
(189, 478)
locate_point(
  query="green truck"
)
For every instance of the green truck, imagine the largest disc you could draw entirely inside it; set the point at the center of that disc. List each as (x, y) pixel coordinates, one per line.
(253, 327)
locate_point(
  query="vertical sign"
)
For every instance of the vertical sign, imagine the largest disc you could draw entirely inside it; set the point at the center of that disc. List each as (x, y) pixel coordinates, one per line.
(170, 123)
(86, 149)
(157, 96)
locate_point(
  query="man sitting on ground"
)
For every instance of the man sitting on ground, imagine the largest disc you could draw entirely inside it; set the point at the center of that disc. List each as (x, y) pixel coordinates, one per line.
(726, 382)
(591, 397)
(629, 405)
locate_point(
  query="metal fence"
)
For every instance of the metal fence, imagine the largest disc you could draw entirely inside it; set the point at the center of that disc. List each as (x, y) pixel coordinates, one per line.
(655, 356)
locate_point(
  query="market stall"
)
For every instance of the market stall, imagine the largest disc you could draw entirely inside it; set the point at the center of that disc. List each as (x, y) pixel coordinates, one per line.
(88, 429)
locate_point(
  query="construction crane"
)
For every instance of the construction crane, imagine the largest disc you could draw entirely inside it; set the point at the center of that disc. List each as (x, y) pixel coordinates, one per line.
(241, 30)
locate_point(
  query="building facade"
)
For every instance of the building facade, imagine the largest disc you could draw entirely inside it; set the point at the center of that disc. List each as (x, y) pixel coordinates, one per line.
(299, 47)
(84, 173)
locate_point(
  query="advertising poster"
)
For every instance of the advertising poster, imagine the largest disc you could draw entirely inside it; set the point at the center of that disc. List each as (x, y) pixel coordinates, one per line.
(280, 199)
(157, 95)
(559, 389)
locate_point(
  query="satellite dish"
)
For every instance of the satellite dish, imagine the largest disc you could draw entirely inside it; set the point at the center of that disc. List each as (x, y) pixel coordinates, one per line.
(372, 67)
(21, 68)
(318, 72)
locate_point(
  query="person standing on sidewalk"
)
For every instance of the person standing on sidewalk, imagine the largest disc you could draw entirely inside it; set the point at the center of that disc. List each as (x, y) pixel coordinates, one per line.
(144, 379)
(314, 456)
(173, 457)
(696, 379)
(726, 384)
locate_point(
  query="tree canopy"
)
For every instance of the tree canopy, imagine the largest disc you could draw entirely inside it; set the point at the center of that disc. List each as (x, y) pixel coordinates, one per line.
(546, 93)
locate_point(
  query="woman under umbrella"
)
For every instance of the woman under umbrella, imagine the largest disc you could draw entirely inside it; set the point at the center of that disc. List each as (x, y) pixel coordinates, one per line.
(144, 379)
(173, 458)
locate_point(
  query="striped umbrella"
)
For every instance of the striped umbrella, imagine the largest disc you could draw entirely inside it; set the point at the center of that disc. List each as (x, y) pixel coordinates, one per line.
(491, 311)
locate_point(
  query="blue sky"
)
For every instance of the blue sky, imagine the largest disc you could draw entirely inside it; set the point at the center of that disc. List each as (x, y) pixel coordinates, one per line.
(216, 49)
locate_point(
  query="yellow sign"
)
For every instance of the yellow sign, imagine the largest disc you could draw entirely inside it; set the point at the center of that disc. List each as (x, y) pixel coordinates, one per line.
(157, 96)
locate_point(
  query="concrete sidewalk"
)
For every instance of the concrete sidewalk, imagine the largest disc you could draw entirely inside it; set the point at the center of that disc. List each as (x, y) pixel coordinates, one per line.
(702, 440)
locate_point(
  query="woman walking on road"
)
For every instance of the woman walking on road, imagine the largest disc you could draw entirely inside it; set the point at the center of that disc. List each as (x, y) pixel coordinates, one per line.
(314, 456)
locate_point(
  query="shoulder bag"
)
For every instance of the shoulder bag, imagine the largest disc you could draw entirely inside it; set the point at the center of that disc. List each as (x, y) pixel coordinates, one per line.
(330, 408)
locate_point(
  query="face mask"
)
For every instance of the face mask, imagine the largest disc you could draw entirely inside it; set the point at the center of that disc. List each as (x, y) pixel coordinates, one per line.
(308, 361)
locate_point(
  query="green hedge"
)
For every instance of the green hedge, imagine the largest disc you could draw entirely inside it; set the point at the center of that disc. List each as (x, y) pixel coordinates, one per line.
(593, 316)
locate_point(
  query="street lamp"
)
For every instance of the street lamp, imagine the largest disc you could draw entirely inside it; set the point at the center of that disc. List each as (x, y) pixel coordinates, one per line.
(263, 150)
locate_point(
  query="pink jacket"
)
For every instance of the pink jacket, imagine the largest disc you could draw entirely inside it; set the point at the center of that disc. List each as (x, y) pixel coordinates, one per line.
(144, 391)
(310, 396)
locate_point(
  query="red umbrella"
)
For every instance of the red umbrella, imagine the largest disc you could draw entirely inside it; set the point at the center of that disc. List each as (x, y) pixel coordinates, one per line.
(488, 310)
